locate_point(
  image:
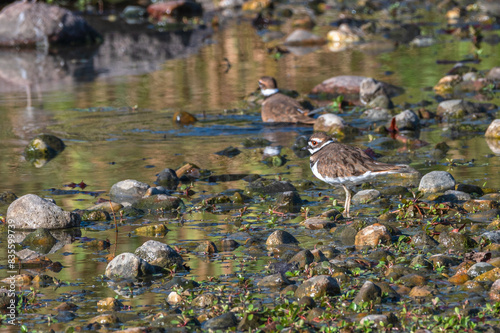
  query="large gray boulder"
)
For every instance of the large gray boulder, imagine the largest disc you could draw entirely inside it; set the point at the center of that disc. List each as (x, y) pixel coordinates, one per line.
(31, 23)
(436, 181)
(32, 212)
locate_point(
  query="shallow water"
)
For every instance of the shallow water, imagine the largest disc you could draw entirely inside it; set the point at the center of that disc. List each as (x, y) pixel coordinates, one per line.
(120, 127)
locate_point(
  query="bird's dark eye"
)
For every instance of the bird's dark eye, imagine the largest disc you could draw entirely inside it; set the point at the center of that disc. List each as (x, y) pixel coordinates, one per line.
(314, 143)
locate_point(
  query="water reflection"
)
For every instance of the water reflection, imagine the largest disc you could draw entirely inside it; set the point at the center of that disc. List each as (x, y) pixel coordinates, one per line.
(126, 50)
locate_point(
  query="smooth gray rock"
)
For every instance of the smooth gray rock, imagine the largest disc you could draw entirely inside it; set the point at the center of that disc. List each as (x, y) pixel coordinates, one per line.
(30, 23)
(32, 212)
(128, 266)
(370, 88)
(128, 188)
(168, 178)
(407, 121)
(455, 108)
(159, 254)
(365, 196)
(318, 286)
(274, 280)
(492, 236)
(280, 237)
(479, 268)
(436, 181)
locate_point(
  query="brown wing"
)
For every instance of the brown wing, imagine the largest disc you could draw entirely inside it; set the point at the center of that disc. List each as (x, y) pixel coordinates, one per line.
(282, 108)
(347, 161)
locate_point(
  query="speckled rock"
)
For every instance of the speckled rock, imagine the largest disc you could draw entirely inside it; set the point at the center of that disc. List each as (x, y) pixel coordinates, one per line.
(495, 291)
(205, 300)
(480, 205)
(155, 230)
(456, 241)
(479, 268)
(280, 237)
(128, 188)
(407, 121)
(159, 254)
(318, 286)
(489, 276)
(32, 212)
(274, 281)
(288, 202)
(365, 196)
(315, 223)
(128, 266)
(372, 236)
(436, 181)
(29, 24)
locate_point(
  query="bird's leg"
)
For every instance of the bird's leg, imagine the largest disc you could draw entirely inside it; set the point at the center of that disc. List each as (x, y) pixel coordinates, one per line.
(347, 204)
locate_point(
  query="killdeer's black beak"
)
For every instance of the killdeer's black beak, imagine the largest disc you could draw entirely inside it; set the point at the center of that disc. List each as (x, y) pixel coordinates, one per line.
(305, 148)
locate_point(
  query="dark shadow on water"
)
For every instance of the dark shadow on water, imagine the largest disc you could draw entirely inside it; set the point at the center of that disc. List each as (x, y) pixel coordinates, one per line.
(126, 50)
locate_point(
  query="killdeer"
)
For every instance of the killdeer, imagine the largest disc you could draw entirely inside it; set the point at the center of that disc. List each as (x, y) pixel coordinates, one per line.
(339, 164)
(278, 107)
